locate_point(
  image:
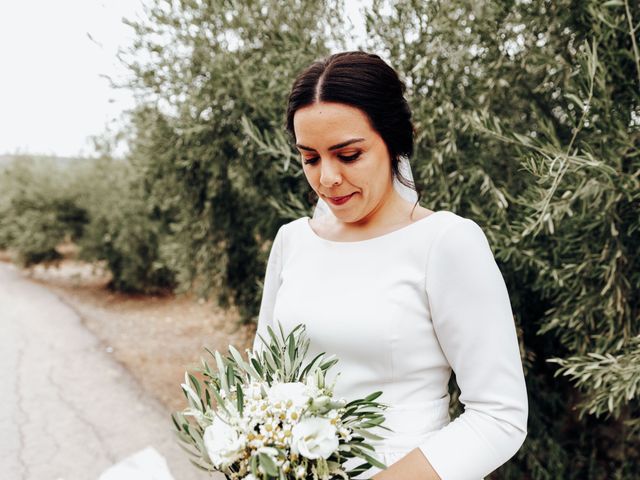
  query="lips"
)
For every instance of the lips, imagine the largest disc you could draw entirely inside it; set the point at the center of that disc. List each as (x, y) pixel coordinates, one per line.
(340, 200)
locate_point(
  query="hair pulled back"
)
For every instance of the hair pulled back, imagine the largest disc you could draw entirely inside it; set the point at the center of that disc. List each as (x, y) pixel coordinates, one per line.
(364, 81)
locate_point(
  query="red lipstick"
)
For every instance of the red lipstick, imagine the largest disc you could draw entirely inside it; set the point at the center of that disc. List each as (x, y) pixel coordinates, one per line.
(340, 200)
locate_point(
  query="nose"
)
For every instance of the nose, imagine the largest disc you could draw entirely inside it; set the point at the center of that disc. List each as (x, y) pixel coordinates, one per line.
(329, 173)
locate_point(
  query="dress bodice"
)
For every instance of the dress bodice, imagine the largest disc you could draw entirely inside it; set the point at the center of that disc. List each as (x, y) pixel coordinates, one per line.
(400, 311)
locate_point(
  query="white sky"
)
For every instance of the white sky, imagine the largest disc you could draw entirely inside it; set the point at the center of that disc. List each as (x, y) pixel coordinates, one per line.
(52, 96)
(52, 93)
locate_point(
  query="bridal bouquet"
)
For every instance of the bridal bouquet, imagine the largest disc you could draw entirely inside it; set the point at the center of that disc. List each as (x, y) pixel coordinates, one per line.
(273, 417)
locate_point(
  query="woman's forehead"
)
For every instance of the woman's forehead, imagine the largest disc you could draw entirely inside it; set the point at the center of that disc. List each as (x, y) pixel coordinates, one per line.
(330, 122)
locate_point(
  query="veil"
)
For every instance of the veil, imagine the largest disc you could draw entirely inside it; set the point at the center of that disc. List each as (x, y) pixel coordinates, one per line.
(405, 192)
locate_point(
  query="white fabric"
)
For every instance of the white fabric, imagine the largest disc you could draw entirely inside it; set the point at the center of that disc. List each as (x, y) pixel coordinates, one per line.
(400, 311)
(147, 464)
(405, 192)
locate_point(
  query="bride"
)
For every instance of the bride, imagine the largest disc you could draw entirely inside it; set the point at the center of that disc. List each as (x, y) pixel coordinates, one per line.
(402, 295)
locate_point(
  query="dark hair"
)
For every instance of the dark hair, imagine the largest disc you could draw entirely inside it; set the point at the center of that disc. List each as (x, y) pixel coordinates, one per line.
(364, 81)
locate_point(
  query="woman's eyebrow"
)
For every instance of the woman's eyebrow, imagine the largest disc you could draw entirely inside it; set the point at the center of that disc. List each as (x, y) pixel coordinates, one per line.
(334, 147)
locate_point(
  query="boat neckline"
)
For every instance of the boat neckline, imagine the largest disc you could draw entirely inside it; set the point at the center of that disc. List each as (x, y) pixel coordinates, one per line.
(366, 240)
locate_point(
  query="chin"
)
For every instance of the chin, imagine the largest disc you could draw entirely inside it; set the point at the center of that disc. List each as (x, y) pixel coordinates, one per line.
(347, 217)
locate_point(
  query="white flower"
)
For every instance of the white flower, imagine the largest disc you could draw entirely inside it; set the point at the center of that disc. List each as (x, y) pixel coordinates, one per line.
(312, 386)
(300, 471)
(314, 437)
(283, 392)
(272, 452)
(251, 476)
(223, 443)
(345, 433)
(253, 391)
(321, 401)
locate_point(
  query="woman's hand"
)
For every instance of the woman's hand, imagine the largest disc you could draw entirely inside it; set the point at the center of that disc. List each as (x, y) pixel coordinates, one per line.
(413, 466)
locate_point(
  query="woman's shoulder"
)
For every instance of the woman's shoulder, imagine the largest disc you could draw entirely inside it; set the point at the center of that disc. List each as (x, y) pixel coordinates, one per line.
(460, 239)
(448, 233)
(439, 223)
(294, 225)
(290, 229)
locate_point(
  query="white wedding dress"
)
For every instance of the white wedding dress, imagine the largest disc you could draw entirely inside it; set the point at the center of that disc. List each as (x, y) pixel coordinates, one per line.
(400, 311)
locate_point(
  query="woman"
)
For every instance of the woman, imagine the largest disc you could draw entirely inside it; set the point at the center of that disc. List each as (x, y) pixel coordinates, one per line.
(401, 294)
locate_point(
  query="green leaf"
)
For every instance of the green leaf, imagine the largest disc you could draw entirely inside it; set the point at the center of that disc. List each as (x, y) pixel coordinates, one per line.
(257, 367)
(221, 372)
(237, 357)
(268, 464)
(367, 434)
(311, 365)
(292, 347)
(230, 376)
(195, 384)
(240, 399)
(254, 466)
(220, 401)
(373, 461)
(176, 421)
(373, 396)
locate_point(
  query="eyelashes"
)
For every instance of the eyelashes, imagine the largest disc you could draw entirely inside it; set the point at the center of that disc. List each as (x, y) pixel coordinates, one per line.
(344, 158)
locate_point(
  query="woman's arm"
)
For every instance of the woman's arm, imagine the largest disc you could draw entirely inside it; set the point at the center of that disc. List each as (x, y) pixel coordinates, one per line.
(413, 465)
(472, 318)
(272, 281)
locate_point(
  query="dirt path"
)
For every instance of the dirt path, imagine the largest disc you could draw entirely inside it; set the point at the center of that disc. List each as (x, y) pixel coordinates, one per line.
(68, 410)
(89, 377)
(155, 338)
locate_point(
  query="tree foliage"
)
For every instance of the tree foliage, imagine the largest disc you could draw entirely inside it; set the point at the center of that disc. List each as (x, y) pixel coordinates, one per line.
(38, 209)
(123, 231)
(212, 65)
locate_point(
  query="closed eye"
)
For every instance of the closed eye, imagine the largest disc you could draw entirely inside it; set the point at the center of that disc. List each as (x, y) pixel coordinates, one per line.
(349, 158)
(344, 158)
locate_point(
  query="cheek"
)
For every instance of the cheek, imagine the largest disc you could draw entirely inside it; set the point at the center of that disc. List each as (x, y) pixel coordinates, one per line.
(367, 177)
(359, 174)
(312, 176)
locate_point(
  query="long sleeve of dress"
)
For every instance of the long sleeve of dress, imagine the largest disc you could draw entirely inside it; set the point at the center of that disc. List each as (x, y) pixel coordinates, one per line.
(473, 322)
(272, 281)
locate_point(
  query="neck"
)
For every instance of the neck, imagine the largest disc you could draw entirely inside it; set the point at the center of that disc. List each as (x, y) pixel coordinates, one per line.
(391, 210)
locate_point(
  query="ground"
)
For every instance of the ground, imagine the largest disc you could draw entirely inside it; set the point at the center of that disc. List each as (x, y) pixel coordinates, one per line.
(155, 337)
